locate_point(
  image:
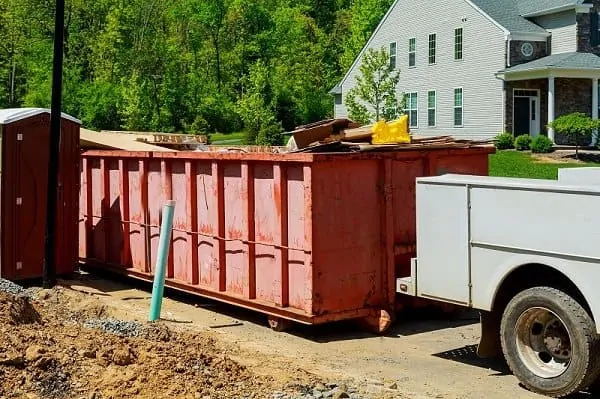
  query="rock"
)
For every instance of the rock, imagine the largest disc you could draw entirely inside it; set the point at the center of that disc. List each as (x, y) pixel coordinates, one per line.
(393, 385)
(343, 387)
(34, 353)
(14, 359)
(340, 395)
(197, 395)
(331, 385)
(122, 357)
(320, 387)
(87, 353)
(317, 394)
(43, 362)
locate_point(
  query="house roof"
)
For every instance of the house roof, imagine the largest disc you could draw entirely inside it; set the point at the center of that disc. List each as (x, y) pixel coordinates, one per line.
(533, 7)
(11, 115)
(560, 61)
(507, 13)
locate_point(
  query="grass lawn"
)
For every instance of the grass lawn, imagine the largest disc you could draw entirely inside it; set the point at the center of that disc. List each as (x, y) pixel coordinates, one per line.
(236, 138)
(518, 164)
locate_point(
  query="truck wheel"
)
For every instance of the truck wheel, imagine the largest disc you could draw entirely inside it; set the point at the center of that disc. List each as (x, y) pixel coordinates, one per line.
(550, 342)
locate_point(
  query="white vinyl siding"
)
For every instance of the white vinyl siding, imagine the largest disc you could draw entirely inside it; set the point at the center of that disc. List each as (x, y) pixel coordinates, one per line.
(484, 48)
(393, 55)
(563, 27)
(458, 44)
(412, 109)
(431, 108)
(412, 52)
(458, 107)
(432, 47)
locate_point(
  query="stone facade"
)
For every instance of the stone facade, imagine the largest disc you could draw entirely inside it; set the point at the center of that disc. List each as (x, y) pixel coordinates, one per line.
(572, 95)
(584, 37)
(540, 49)
(535, 84)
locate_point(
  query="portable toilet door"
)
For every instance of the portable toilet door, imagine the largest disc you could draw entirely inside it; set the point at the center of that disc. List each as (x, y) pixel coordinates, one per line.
(23, 193)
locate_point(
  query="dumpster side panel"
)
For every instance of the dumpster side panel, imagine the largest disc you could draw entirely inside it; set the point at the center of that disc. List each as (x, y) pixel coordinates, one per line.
(205, 208)
(236, 227)
(184, 266)
(347, 236)
(137, 204)
(299, 228)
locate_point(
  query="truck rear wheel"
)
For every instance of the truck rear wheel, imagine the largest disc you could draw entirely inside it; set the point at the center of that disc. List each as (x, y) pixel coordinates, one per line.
(550, 342)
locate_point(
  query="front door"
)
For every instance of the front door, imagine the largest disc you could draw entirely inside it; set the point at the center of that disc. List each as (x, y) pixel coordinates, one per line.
(526, 110)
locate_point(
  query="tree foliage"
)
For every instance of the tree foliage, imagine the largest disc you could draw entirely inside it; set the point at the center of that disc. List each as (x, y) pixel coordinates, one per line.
(374, 96)
(186, 65)
(577, 125)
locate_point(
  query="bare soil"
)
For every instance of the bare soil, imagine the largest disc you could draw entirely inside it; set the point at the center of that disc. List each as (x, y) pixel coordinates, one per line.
(45, 352)
(204, 349)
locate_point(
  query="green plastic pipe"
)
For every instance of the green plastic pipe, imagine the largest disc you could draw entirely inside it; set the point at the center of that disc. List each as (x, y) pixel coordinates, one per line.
(164, 241)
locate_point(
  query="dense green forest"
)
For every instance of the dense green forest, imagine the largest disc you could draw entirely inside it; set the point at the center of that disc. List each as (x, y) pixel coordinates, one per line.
(186, 65)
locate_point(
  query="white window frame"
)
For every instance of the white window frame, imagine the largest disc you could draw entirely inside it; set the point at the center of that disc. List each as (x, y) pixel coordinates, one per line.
(461, 106)
(434, 108)
(393, 56)
(462, 41)
(413, 52)
(429, 49)
(409, 109)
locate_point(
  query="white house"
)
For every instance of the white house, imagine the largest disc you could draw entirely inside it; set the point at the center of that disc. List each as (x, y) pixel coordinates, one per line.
(476, 68)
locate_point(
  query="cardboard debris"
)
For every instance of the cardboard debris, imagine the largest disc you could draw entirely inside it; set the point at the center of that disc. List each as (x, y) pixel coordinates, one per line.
(317, 132)
(92, 140)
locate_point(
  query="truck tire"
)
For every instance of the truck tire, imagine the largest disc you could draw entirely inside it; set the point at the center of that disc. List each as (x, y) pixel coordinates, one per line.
(550, 343)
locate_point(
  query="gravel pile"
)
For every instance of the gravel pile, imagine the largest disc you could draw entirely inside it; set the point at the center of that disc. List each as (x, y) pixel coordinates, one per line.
(11, 288)
(321, 391)
(118, 327)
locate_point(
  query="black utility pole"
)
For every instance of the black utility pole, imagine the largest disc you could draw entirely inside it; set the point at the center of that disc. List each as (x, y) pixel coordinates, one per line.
(55, 119)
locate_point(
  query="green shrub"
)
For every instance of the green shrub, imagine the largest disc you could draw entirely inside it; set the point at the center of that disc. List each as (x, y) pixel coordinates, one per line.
(577, 126)
(504, 141)
(523, 142)
(541, 145)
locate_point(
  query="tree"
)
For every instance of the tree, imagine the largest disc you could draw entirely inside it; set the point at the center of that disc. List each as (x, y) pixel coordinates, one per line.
(577, 125)
(374, 96)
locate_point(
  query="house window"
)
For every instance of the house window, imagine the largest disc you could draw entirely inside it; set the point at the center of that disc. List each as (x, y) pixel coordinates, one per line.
(458, 107)
(412, 109)
(432, 44)
(412, 52)
(458, 44)
(393, 55)
(431, 106)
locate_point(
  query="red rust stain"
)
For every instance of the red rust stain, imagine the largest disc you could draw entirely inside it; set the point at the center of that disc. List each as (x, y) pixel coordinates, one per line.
(277, 199)
(234, 234)
(206, 229)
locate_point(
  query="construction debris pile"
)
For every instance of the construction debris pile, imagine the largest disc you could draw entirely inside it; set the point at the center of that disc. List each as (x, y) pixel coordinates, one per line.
(344, 135)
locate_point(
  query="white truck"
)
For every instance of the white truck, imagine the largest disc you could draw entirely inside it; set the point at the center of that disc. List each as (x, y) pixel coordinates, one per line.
(526, 253)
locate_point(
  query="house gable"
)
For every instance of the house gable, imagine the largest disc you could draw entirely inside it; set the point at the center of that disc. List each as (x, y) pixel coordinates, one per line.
(465, 87)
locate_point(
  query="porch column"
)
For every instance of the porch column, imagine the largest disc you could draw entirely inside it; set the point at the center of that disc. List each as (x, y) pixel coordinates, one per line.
(595, 108)
(551, 106)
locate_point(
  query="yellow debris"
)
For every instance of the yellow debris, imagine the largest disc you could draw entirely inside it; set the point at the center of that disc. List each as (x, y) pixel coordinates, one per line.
(391, 133)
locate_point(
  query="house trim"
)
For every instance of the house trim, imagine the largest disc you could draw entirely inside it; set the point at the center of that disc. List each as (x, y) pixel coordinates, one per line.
(580, 8)
(542, 73)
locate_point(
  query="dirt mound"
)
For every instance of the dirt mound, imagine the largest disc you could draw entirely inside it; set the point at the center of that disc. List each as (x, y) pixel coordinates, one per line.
(46, 352)
(17, 310)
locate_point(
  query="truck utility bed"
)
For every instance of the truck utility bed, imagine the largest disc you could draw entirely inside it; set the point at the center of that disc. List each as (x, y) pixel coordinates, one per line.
(472, 231)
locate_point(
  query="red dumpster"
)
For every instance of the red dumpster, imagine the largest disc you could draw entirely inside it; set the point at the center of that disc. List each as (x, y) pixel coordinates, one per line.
(24, 149)
(311, 238)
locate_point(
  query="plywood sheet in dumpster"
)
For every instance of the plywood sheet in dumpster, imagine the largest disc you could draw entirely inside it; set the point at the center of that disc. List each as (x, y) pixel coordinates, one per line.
(347, 234)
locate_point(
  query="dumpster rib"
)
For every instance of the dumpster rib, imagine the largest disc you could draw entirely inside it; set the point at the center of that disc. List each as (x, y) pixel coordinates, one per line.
(281, 203)
(146, 210)
(89, 222)
(104, 205)
(250, 195)
(124, 193)
(219, 215)
(166, 177)
(192, 221)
